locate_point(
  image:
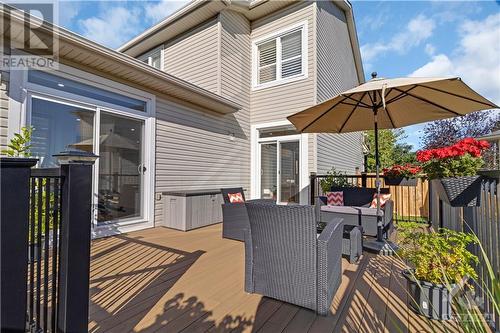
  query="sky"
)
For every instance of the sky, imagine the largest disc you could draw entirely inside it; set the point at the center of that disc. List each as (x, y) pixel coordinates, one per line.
(397, 38)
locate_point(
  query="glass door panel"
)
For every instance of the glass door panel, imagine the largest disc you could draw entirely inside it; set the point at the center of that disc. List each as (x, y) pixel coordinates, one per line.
(269, 171)
(59, 127)
(120, 168)
(289, 171)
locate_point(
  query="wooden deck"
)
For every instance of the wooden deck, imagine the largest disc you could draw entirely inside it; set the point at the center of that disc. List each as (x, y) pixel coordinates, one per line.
(161, 280)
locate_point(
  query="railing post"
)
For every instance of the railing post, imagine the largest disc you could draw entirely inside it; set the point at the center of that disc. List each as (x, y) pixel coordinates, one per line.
(364, 178)
(312, 187)
(14, 203)
(76, 213)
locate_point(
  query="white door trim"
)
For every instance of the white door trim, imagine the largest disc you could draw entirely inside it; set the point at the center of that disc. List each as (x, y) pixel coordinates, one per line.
(255, 158)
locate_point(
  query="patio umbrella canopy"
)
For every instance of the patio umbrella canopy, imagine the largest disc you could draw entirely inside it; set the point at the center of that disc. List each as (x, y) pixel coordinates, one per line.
(387, 104)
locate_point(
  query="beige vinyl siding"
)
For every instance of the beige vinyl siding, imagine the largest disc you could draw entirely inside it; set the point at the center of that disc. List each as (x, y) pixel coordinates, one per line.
(4, 108)
(194, 56)
(336, 72)
(276, 103)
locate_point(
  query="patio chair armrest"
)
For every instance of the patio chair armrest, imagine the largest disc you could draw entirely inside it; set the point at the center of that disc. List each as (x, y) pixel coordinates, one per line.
(329, 263)
(234, 220)
(388, 217)
(263, 201)
(388, 211)
(249, 286)
(321, 200)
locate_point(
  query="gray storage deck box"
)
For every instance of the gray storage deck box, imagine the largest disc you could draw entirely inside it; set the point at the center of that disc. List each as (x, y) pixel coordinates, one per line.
(186, 210)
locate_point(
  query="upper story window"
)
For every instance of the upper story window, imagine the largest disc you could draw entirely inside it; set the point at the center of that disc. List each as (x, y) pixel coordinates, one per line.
(153, 58)
(280, 57)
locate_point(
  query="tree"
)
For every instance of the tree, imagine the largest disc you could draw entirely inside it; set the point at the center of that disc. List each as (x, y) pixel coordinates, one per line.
(442, 133)
(391, 149)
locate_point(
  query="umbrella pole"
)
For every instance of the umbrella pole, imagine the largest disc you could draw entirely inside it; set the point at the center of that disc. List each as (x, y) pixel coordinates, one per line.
(379, 245)
(377, 176)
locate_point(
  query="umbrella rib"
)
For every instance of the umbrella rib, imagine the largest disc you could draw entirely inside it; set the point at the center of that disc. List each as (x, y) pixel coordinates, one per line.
(352, 112)
(457, 95)
(358, 101)
(396, 98)
(321, 115)
(352, 104)
(432, 103)
(387, 110)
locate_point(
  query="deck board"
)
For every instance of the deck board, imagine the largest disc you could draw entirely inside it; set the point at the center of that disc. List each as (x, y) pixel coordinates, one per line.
(162, 280)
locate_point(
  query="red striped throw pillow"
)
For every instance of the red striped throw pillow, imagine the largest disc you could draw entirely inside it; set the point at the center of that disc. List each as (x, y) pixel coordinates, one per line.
(235, 197)
(383, 200)
(335, 198)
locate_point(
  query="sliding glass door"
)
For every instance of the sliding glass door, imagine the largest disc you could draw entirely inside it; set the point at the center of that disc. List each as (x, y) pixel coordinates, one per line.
(118, 140)
(280, 170)
(58, 127)
(121, 168)
(289, 171)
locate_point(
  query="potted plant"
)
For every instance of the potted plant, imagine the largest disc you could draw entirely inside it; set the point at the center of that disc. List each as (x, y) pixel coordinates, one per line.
(334, 178)
(402, 175)
(453, 171)
(439, 264)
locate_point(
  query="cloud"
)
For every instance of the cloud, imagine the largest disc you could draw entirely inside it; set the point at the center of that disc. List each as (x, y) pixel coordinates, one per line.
(430, 49)
(159, 10)
(417, 31)
(68, 10)
(112, 27)
(117, 22)
(476, 59)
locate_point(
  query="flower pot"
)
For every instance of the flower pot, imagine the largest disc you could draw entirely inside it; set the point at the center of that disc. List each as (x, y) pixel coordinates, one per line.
(400, 181)
(459, 191)
(428, 299)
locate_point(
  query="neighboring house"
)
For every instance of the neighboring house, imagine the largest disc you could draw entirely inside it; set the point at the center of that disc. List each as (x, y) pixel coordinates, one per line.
(203, 107)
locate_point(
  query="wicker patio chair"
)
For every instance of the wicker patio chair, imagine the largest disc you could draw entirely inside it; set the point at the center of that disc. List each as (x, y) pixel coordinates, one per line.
(235, 216)
(287, 260)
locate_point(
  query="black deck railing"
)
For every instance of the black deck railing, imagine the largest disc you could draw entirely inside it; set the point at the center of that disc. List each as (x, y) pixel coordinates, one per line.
(411, 203)
(45, 246)
(44, 231)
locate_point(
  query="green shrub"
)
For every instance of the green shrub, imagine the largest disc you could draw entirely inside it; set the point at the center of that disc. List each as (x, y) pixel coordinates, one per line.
(20, 144)
(334, 178)
(437, 257)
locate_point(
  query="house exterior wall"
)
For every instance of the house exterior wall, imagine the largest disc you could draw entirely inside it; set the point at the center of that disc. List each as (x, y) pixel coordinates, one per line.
(194, 150)
(276, 103)
(194, 56)
(4, 108)
(336, 72)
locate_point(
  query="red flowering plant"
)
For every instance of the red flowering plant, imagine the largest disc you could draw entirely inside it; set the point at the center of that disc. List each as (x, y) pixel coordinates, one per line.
(458, 160)
(403, 171)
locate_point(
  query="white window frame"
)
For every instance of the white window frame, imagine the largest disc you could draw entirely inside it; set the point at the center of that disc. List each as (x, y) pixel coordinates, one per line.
(303, 139)
(301, 26)
(148, 56)
(20, 116)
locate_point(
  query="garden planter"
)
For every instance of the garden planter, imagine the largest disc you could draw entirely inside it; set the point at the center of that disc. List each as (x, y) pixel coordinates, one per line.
(428, 299)
(400, 181)
(459, 191)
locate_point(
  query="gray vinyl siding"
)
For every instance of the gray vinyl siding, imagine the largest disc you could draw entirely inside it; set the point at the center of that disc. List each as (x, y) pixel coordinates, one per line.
(194, 56)
(4, 108)
(235, 84)
(278, 102)
(336, 72)
(194, 150)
